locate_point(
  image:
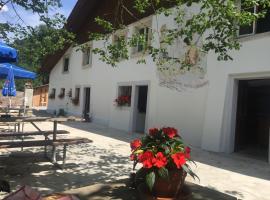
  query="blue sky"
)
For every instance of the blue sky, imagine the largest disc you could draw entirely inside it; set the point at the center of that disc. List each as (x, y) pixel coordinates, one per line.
(8, 14)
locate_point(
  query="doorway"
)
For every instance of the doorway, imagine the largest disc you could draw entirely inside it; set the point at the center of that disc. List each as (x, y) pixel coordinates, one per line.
(140, 108)
(253, 118)
(86, 107)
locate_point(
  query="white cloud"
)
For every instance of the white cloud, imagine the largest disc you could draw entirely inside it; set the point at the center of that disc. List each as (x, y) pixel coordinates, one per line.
(4, 9)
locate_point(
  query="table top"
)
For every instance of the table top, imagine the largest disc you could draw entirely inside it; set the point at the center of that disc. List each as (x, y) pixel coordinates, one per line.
(20, 109)
(38, 119)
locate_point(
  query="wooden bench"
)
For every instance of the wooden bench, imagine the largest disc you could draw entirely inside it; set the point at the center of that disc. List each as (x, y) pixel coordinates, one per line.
(45, 143)
(31, 133)
(21, 135)
(4, 153)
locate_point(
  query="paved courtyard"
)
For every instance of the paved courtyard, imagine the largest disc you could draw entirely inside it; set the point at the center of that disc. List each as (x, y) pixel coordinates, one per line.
(107, 160)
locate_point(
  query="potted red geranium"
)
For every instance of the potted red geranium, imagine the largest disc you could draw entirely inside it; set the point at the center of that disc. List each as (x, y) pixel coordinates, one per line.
(123, 100)
(164, 158)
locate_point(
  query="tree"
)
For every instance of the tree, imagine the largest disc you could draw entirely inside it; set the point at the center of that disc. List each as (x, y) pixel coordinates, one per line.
(213, 27)
(35, 43)
(44, 40)
(41, 8)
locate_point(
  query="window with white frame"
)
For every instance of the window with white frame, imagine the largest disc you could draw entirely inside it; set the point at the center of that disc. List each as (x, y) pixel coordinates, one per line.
(77, 92)
(61, 95)
(87, 56)
(163, 45)
(124, 90)
(76, 99)
(260, 26)
(66, 64)
(52, 93)
(119, 37)
(144, 30)
(124, 96)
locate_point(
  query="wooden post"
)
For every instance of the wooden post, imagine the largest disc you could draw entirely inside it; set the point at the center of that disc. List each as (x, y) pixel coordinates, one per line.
(269, 148)
(19, 131)
(54, 129)
(54, 139)
(64, 155)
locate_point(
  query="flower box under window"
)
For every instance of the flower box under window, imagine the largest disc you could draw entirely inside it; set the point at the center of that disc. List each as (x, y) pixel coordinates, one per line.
(52, 94)
(76, 99)
(124, 96)
(62, 93)
(69, 93)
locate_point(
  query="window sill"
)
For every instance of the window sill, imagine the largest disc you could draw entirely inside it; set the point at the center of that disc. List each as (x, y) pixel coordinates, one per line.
(123, 107)
(67, 72)
(86, 66)
(253, 36)
(139, 54)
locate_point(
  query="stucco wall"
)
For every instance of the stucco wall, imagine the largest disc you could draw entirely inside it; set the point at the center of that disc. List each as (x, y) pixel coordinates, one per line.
(166, 107)
(251, 62)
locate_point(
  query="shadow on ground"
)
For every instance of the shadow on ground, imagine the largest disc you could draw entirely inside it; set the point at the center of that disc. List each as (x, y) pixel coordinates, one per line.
(234, 162)
(122, 190)
(32, 169)
(103, 131)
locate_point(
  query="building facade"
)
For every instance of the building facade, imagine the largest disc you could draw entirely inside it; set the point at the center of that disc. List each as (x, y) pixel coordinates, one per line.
(40, 96)
(216, 117)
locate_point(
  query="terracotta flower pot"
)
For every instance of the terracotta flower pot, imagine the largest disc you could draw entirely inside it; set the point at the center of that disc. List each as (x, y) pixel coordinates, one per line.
(171, 187)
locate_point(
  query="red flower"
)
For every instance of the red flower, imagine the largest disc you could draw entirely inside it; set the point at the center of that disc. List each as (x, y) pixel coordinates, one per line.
(171, 132)
(122, 100)
(146, 159)
(153, 131)
(187, 152)
(132, 157)
(179, 159)
(135, 144)
(160, 160)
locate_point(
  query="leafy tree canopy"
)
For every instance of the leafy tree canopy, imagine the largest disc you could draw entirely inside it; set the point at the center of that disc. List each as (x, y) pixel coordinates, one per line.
(35, 43)
(213, 27)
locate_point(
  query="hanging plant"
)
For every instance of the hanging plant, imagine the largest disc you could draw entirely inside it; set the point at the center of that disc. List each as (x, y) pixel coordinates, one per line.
(123, 100)
(52, 96)
(61, 95)
(69, 93)
(75, 101)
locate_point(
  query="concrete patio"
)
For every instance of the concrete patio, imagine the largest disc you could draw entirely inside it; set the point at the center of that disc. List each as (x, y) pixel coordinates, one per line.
(107, 160)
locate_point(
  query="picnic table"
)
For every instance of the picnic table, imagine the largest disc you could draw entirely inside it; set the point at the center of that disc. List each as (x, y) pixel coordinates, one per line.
(54, 142)
(14, 111)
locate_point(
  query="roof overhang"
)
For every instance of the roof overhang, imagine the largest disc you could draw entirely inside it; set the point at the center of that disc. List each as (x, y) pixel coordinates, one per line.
(82, 21)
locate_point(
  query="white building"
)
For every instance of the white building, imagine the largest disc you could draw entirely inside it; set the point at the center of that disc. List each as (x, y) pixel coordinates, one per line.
(207, 117)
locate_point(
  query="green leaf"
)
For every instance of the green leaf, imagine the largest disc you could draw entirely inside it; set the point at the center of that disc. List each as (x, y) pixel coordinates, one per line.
(190, 172)
(150, 180)
(163, 173)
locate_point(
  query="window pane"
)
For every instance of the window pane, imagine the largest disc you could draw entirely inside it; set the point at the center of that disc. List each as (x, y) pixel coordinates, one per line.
(77, 93)
(144, 32)
(125, 90)
(124, 96)
(66, 64)
(247, 29)
(263, 25)
(86, 57)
